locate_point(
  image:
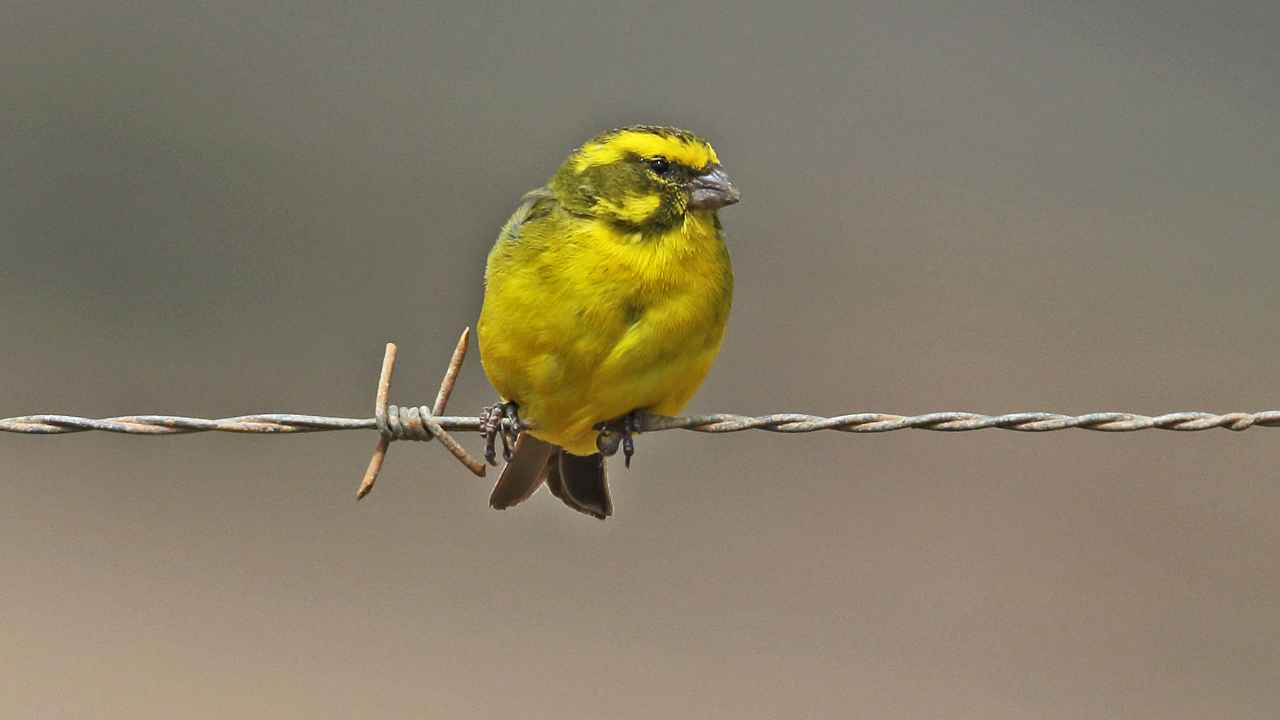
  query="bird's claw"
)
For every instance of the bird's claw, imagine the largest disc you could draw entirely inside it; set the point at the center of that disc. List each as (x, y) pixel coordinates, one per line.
(499, 420)
(511, 412)
(617, 432)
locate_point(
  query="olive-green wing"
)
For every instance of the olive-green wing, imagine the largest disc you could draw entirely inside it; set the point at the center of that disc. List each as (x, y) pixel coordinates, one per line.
(534, 205)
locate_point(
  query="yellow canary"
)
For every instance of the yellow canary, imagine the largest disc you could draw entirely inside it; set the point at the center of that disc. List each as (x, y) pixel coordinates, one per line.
(606, 293)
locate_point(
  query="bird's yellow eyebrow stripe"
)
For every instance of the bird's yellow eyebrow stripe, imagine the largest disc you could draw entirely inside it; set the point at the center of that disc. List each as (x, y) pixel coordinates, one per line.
(612, 148)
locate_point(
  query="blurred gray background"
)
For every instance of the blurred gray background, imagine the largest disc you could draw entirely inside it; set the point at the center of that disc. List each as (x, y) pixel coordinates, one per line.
(219, 209)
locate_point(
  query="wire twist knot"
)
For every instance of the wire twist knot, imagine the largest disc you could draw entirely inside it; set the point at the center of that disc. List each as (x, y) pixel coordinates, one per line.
(408, 423)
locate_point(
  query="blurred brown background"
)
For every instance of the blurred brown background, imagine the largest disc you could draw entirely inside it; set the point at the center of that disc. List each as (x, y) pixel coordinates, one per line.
(989, 206)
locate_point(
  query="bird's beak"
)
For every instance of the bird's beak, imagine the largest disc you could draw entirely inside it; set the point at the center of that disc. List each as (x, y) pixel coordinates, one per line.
(712, 189)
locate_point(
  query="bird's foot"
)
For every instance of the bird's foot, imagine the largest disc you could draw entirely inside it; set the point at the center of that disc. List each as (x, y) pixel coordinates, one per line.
(492, 426)
(620, 431)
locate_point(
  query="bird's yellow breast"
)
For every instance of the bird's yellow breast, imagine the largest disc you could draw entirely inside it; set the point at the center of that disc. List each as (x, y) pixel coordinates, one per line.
(583, 323)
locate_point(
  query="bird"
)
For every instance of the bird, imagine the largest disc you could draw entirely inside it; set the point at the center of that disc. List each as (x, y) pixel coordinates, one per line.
(606, 295)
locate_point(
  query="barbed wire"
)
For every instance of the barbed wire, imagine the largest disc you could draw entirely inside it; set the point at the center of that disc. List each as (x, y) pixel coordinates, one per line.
(272, 423)
(425, 422)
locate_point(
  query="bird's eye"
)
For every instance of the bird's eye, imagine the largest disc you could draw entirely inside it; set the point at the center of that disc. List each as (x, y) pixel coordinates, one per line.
(659, 164)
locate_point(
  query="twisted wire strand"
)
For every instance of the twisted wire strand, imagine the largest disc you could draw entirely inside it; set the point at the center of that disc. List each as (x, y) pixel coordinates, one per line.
(965, 421)
(428, 422)
(410, 423)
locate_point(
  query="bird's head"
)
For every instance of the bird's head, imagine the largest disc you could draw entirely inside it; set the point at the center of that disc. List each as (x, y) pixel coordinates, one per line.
(643, 178)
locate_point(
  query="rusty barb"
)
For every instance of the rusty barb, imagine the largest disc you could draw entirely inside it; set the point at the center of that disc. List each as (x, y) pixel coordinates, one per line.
(415, 423)
(427, 422)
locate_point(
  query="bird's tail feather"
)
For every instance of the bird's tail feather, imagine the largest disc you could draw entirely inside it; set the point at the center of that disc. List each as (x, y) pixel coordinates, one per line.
(580, 482)
(524, 473)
